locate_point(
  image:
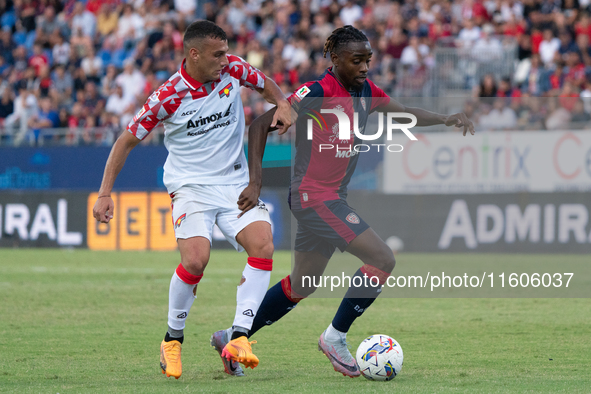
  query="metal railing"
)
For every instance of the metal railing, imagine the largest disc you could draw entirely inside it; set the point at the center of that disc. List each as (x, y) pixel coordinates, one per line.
(92, 136)
(456, 70)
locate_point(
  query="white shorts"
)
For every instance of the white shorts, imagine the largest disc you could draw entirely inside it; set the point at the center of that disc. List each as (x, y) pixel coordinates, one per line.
(196, 208)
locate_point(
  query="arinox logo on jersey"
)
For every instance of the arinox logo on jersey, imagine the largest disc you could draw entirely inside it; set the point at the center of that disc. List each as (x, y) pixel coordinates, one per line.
(205, 120)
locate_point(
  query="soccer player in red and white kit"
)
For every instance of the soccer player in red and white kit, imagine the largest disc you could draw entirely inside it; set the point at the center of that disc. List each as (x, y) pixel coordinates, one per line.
(205, 174)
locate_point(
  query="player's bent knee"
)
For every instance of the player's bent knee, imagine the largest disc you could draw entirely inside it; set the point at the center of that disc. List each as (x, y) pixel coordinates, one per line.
(262, 250)
(385, 261)
(194, 265)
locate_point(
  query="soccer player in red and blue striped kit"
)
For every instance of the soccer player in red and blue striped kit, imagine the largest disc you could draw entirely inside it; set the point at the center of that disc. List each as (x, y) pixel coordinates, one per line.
(319, 189)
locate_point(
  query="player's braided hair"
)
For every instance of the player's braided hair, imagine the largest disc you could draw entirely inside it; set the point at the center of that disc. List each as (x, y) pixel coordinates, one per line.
(342, 36)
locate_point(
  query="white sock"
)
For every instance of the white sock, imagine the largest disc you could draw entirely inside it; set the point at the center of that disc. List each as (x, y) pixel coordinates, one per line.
(250, 294)
(334, 335)
(180, 299)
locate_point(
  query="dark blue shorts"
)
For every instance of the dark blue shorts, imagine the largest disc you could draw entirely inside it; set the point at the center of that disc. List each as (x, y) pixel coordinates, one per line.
(327, 226)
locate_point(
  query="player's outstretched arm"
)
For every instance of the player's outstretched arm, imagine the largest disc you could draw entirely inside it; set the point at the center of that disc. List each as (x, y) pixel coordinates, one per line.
(104, 205)
(282, 118)
(428, 118)
(257, 138)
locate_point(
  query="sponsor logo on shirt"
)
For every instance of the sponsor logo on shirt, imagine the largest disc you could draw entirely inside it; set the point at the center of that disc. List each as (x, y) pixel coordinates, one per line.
(207, 119)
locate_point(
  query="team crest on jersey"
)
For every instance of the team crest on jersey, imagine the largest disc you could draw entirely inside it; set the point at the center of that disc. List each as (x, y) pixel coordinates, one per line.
(353, 218)
(178, 222)
(225, 92)
(363, 103)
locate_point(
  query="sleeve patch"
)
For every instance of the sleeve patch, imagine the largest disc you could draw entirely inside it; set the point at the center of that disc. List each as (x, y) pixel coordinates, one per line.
(302, 92)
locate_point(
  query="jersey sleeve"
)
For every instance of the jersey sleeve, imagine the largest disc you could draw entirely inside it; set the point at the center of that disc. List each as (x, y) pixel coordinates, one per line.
(246, 74)
(306, 96)
(155, 110)
(379, 97)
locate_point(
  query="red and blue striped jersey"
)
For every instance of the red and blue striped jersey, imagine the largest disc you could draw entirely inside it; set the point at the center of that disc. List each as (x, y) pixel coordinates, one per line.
(323, 174)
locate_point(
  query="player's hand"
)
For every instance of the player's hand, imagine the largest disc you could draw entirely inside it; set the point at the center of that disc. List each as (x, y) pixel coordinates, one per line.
(282, 117)
(460, 120)
(103, 209)
(248, 199)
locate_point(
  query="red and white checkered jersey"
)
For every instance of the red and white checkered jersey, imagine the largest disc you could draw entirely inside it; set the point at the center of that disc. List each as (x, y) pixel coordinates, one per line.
(203, 125)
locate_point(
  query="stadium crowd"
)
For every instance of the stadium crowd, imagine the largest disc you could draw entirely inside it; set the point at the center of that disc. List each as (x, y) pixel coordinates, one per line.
(82, 65)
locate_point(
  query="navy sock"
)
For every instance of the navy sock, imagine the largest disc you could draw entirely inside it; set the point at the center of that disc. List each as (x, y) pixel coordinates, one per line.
(275, 305)
(355, 302)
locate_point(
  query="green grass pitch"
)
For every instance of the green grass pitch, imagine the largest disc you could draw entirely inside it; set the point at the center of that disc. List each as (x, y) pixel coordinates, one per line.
(86, 321)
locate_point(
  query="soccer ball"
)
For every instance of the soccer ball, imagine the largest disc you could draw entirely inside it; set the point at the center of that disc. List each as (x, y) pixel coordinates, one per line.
(379, 357)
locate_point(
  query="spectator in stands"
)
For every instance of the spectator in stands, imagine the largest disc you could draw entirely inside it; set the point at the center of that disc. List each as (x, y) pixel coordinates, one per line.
(534, 83)
(488, 87)
(106, 20)
(25, 106)
(6, 105)
(415, 53)
(468, 35)
(48, 24)
(186, 8)
(556, 80)
(506, 89)
(117, 103)
(43, 82)
(396, 44)
(108, 83)
(130, 28)
(93, 102)
(62, 83)
(38, 60)
(7, 45)
(350, 13)
(575, 73)
(501, 116)
(83, 20)
(61, 49)
(46, 117)
(557, 117)
(92, 65)
(79, 43)
(586, 96)
(566, 44)
(548, 47)
(568, 96)
(487, 48)
(131, 80)
(579, 115)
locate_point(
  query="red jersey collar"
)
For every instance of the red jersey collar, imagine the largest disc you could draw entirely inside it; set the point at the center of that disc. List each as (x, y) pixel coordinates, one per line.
(193, 84)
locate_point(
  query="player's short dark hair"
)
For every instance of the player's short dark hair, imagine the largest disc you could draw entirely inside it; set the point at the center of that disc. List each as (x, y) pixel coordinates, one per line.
(203, 29)
(341, 37)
